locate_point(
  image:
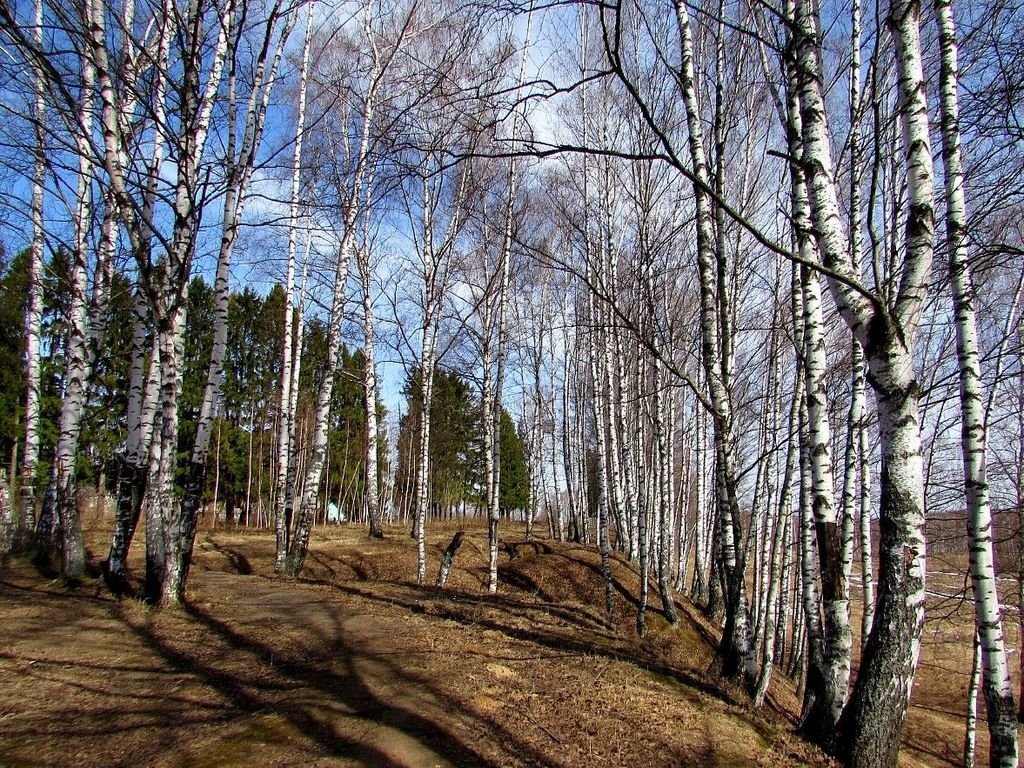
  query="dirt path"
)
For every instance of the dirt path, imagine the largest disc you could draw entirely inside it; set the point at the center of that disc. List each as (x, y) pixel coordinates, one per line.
(255, 674)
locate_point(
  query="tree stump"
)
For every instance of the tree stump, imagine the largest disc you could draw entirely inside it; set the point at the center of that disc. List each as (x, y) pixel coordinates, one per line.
(449, 556)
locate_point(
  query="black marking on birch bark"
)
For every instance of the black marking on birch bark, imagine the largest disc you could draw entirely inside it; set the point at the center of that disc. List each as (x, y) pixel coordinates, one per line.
(449, 556)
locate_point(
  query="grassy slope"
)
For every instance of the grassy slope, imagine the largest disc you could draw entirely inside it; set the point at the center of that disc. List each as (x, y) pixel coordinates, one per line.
(355, 665)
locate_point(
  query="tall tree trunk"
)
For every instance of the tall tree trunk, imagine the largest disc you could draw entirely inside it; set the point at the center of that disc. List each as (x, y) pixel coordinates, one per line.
(495, 404)
(643, 552)
(664, 506)
(354, 200)
(195, 106)
(864, 519)
(76, 380)
(774, 613)
(828, 684)
(971, 721)
(857, 441)
(7, 521)
(890, 656)
(34, 300)
(735, 652)
(284, 495)
(702, 550)
(299, 543)
(372, 467)
(161, 528)
(998, 690)
(133, 470)
(873, 720)
(296, 470)
(424, 478)
(143, 393)
(599, 399)
(239, 172)
(815, 704)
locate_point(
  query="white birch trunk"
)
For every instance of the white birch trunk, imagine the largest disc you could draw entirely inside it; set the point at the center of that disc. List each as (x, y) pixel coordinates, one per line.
(971, 721)
(859, 370)
(299, 543)
(78, 368)
(643, 546)
(851, 460)
(873, 720)
(663, 456)
(774, 612)
(372, 470)
(423, 472)
(626, 393)
(603, 536)
(702, 549)
(735, 652)
(435, 256)
(573, 488)
(239, 169)
(493, 403)
(626, 540)
(352, 205)
(34, 300)
(286, 428)
(293, 459)
(813, 688)
(837, 640)
(864, 521)
(855, 420)
(162, 499)
(997, 687)
(196, 104)
(7, 522)
(131, 481)
(491, 456)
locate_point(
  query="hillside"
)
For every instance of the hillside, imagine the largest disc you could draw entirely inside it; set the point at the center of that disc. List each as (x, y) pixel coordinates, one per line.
(355, 665)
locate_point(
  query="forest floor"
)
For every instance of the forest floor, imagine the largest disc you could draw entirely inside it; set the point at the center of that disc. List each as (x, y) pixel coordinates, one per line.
(355, 665)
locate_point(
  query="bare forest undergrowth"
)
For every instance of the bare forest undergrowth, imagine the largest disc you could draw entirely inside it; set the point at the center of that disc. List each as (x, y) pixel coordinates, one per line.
(353, 664)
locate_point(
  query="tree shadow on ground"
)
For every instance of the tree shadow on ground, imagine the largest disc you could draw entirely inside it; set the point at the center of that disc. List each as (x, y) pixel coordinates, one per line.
(239, 562)
(580, 576)
(520, 621)
(340, 690)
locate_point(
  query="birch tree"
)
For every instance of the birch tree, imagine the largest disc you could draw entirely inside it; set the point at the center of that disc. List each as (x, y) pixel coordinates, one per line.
(871, 725)
(438, 205)
(372, 501)
(34, 306)
(349, 176)
(775, 614)
(284, 480)
(64, 499)
(856, 435)
(169, 545)
(131, 480)
(829, 666)
(598, 398)
(180, 50)
(494, 379)
(997, 687)
(736, 651)
(119, 114)
(240, 161)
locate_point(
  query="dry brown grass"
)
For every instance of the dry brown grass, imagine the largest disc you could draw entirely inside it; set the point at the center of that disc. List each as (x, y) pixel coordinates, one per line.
(354, 664)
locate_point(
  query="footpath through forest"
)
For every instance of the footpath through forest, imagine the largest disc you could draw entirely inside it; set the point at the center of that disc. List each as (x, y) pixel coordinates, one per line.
(356, 665)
